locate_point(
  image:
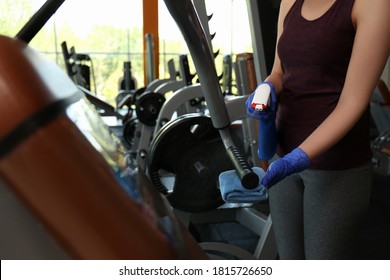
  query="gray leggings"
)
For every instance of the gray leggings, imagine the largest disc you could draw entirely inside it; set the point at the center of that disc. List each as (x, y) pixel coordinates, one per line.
(317, 214)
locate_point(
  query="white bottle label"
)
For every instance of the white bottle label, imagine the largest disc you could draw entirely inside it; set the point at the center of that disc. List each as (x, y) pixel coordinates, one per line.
(261, 99)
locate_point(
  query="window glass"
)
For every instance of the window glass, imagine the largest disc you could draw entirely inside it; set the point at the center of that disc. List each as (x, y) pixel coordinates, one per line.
(111, 33)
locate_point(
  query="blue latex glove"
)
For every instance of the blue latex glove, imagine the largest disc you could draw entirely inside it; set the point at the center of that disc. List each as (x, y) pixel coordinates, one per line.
(270, 112)
(293, 162)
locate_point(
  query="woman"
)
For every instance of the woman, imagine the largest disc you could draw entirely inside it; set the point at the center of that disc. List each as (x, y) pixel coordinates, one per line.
(330, 55)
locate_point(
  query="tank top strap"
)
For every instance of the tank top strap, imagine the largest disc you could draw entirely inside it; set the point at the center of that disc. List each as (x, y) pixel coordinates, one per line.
(341, 6)
(294, 11)
(340, 14)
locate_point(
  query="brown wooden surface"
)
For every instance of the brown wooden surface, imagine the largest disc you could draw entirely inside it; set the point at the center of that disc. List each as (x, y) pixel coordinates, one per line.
(150, 26)
(250, 68)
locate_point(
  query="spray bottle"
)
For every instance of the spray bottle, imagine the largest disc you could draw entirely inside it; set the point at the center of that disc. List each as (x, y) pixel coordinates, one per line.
(264, 100)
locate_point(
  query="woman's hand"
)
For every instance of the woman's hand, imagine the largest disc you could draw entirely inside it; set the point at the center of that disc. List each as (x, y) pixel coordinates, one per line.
(293, 162)
(270, 111)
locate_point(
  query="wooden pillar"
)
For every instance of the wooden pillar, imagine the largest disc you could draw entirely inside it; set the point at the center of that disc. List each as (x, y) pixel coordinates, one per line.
(150, 26)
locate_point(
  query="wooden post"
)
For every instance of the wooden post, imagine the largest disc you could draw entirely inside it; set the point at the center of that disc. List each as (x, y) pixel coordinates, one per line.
(150, 26)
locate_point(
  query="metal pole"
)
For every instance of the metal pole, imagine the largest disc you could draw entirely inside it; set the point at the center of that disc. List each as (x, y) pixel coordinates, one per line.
(38, 20)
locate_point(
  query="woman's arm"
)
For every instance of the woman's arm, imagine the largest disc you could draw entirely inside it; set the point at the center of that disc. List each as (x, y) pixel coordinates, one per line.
(276, 76)
(370, 52)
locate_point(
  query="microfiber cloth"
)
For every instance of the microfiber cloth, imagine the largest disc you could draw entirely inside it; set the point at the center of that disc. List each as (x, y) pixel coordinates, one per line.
(232, 190)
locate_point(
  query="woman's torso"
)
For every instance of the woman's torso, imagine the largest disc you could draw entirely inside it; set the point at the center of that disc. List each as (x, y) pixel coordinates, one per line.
(314, 50)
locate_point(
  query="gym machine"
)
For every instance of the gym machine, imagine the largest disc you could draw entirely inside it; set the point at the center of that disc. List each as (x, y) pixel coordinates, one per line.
(380, 113)
(190, 136)
(380, 107)
(78, 66)
(157, 82)
(80, 73)
(68, 188)
(138, 131)
(127, 87)
(160, 106)
(381, 153)
(206, 154)
(161, 99)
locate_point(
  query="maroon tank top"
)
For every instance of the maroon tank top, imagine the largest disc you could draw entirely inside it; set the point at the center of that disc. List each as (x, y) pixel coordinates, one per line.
(314, 55)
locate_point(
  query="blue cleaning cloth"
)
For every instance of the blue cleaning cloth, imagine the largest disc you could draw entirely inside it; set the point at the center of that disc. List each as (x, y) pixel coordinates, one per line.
(232, 190)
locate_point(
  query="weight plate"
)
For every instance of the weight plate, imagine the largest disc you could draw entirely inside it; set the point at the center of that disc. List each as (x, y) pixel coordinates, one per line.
(190, 151)
(148, 106)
